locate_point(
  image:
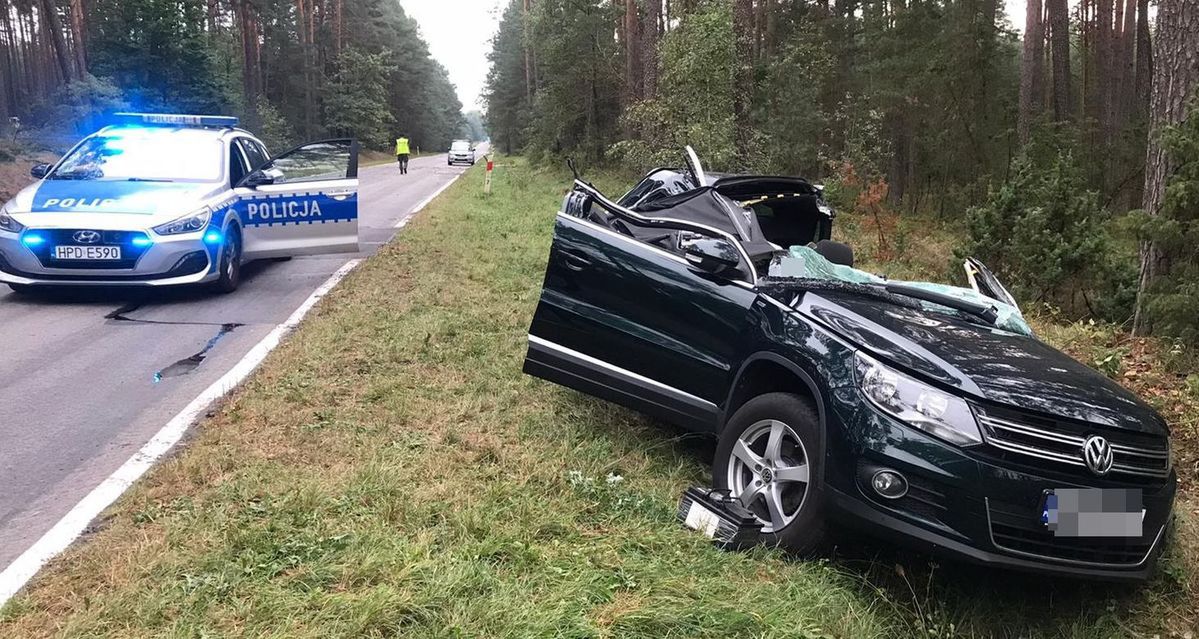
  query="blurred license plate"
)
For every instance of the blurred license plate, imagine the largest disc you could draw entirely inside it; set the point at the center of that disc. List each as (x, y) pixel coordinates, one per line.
(1093, 512)
(87, 252)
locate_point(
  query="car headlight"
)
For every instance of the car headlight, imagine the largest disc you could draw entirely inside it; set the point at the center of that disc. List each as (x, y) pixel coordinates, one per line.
(7, 222)
(916, 404)
(189, 223)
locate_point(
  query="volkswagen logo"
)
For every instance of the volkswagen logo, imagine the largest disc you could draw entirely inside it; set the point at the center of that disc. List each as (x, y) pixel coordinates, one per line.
(86, 237)
(1097, 453)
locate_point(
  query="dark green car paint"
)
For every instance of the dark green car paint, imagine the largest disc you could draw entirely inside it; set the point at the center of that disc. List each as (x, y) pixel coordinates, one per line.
(632, 322)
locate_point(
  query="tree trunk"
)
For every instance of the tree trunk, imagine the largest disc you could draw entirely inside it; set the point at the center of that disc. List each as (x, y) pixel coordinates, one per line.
(251, 63)
(1032, 70)
(770, 39)
(79, 36)
(58, 42)
(1103, 67)
(1059, 41)
(528, 53)
(651, 33)
(1176, 56)
(1144, 60)
(743, 77)
(632, 53)
(1128, 60)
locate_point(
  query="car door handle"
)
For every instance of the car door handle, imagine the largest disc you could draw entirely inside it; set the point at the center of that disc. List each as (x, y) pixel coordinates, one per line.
(339, 195)
(574, 261)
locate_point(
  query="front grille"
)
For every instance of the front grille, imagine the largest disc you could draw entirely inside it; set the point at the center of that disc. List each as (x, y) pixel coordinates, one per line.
(130, 254)
(1023, 437)
(1018, 529)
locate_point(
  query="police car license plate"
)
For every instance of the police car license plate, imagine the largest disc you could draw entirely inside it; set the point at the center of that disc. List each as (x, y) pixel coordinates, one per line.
(87, 252)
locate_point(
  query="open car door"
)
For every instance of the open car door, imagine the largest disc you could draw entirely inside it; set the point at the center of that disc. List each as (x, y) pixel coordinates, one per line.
(984, 282)
(302, 202)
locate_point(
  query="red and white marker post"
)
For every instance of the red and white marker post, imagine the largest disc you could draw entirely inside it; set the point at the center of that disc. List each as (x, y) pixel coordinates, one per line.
(487, 179)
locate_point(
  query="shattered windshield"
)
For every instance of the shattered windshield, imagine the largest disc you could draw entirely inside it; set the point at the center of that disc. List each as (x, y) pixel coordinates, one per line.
(802, 263)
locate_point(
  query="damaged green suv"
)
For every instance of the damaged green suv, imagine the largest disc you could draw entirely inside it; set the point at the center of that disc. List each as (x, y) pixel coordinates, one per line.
(921, 413)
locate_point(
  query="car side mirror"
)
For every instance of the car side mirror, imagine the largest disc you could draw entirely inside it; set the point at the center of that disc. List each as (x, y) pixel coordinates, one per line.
(712, 255)
(257, 178)
(39, 171)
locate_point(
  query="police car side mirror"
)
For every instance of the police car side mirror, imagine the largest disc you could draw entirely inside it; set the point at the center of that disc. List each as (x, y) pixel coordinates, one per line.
(257, 178)
(39, 171)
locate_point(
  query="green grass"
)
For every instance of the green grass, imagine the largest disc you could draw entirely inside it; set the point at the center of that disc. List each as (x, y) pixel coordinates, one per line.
(390, 472)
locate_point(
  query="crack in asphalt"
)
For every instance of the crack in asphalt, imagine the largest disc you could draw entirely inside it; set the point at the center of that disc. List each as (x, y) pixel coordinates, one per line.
(122, 315)
(183, 366)
(190, 364)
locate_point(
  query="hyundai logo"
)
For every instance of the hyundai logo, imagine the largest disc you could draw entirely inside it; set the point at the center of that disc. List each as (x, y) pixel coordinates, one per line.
(1097, 453)
(86, 237)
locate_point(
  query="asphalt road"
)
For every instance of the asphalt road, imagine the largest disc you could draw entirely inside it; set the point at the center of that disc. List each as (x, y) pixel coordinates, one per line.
(87, 377)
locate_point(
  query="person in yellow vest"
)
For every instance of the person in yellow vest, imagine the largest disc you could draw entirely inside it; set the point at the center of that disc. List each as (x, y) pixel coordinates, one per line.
(402, 153)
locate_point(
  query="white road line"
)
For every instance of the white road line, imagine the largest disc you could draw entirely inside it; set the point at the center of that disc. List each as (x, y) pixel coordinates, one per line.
(425, 202)
(68, 529)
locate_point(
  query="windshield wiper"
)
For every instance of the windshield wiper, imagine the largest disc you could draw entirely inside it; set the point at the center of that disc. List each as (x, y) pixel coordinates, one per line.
(138, 179)
(72, 176)
(986, 312)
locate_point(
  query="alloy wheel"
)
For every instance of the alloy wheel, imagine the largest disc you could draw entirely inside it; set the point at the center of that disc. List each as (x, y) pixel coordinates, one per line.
(231, 257)
(768, 473)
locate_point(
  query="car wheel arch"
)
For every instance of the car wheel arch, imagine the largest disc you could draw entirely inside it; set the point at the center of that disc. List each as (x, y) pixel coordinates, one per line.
(753, 379)
(234, 226)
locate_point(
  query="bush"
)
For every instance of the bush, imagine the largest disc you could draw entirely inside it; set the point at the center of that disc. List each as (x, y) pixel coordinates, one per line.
(80, 104)
(1050, 241)
(273, 128)
(695, 98)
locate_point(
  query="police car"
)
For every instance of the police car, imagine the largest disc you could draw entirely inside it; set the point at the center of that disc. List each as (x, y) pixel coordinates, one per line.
(164, 200)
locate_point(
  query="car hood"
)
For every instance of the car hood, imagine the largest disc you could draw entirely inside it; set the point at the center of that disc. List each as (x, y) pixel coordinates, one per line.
(980, 361)
(70, 203)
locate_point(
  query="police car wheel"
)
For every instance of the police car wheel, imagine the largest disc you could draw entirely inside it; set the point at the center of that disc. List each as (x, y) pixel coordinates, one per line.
(230, 264)
(21, 289)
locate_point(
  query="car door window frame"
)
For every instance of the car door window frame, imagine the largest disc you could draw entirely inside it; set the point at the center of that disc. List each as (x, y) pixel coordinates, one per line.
(250, 144)
(750, 271)
(351, 167)
(235, 148)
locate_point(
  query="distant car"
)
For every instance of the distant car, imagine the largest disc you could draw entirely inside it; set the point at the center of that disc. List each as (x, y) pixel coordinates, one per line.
(923, 413)
(461, 151)
(161, 200)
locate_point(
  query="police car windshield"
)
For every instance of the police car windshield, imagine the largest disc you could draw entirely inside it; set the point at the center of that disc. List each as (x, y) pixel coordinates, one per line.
(148, 154)
(460, 146)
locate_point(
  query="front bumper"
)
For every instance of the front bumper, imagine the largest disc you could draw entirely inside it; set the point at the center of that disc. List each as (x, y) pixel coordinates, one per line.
(169, 261)
(968, 506)
(461, 158)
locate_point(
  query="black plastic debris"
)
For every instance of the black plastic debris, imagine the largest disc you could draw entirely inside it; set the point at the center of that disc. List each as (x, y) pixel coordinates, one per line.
(719, 517)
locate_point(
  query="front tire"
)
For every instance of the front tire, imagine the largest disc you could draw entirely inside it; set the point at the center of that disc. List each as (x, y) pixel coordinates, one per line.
(771, 457)
(230, 265)
(22, 289)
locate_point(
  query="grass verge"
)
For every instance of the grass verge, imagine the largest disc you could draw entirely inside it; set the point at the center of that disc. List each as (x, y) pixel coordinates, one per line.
(390, 472)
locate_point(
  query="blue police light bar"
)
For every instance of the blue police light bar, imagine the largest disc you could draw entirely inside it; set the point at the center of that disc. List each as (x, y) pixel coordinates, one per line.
(174, 119)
